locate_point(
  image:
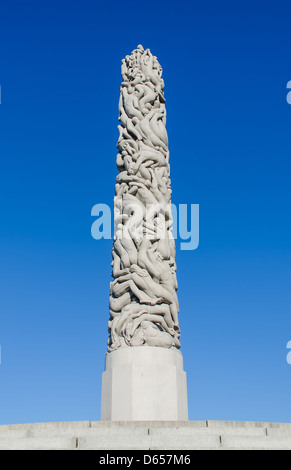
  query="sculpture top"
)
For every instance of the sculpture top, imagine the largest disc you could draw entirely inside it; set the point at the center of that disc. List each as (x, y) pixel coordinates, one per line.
(143, 300)
(141, 66)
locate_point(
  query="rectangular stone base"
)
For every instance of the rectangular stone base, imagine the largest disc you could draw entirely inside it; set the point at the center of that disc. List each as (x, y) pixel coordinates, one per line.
(144, 384)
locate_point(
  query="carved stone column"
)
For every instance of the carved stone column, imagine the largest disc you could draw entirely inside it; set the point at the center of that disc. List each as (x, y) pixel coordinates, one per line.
(144, 377)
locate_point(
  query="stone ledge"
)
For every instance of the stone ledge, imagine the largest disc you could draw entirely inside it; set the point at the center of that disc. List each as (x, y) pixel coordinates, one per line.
(146, 435)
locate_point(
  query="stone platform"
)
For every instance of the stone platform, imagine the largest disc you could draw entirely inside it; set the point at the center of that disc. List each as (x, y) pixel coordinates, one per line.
(146, 435)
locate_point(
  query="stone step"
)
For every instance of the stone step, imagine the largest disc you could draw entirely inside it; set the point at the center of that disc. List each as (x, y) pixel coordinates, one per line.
(189, 435)
(53, 443)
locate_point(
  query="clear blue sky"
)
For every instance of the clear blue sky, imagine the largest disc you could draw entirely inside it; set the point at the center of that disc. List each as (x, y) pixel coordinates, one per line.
(226, 65)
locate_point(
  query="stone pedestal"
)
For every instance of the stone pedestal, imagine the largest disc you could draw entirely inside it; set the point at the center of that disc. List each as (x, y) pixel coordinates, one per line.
(144, 384)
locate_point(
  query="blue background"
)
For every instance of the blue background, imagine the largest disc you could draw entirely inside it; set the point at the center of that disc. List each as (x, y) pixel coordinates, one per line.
(226, 65)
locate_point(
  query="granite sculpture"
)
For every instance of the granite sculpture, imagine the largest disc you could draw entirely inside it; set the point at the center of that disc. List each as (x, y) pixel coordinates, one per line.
(143, 294)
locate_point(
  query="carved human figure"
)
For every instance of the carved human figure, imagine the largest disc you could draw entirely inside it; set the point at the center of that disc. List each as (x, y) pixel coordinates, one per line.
(143, 294)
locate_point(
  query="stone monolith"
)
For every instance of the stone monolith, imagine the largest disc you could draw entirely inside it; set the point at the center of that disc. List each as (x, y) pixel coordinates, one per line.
(144, 377)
